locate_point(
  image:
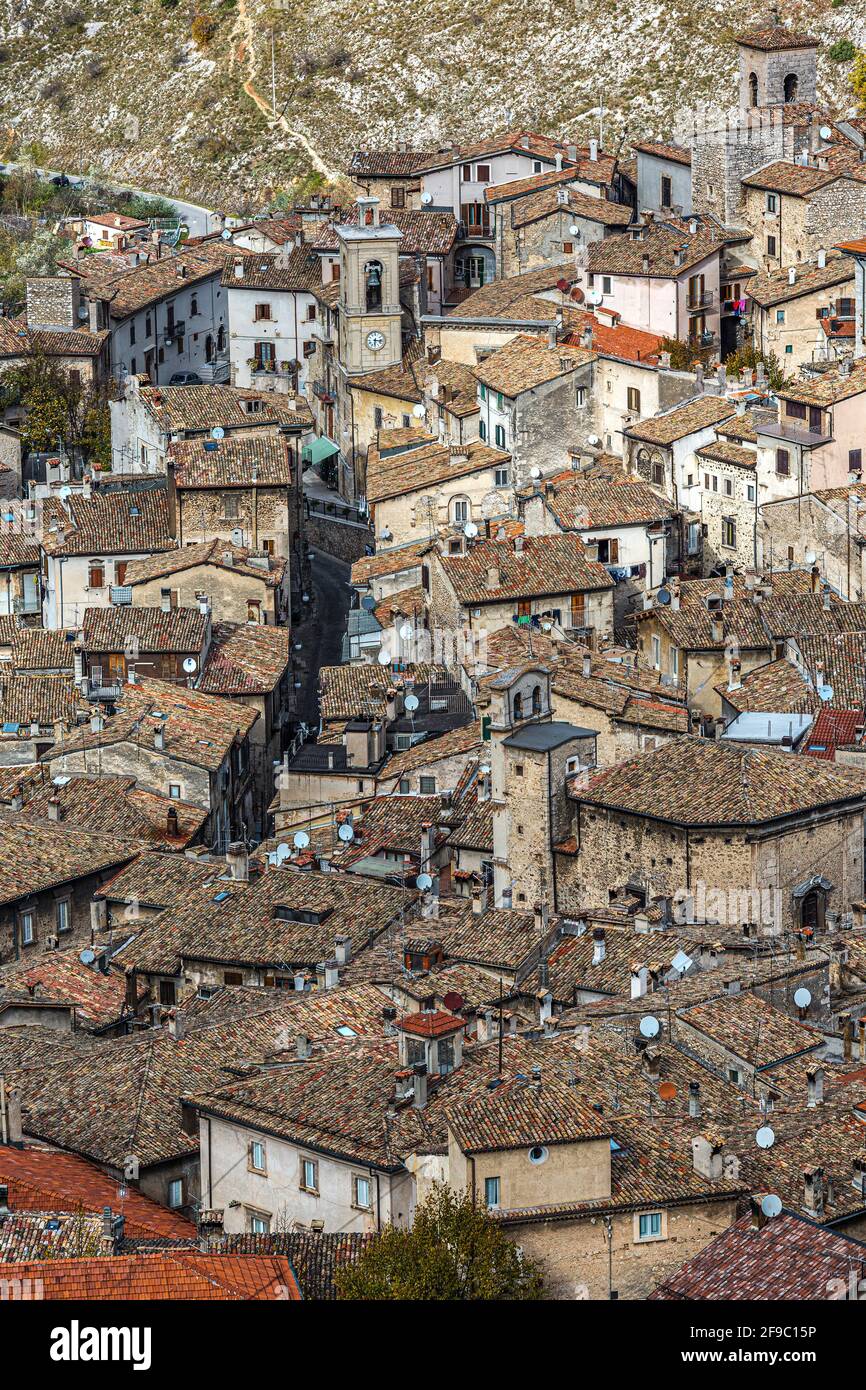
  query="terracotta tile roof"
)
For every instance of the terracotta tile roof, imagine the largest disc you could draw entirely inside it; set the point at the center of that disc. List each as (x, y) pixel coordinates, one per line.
(838, 661)
(725, 451)
(683, 420)
(526, 363)
(47, 1180)
(16, 552)
(199, 729)
(388, 163)
(664, 150)
(403, 557)
(316, 1257)
(783, 176)
(475, 830)
(424, 233)
(832, 386)
(435, 1024)
(406, 603)
(656, 714)
(465, 739)
(773, 38)
(571, 965)
(790, 609)
(523, 142)
(774, 287)
(521, 1113)
(400, 381)
(494, 939)
(114, 805)
(739, 428)
(300, 270)
(43, 700)
(245, 659)
(160, 880)
(37, 649)
(393, 474)
(38, 856)
(219, 553)
(163, 1276)
(534, 183)
(514, 297)
(28, 1236)
(194, 410)
(788, 1258)
(615, 340)
(580, 503)
(778, 687)
(118, 221)
(547, 203)
(695, 781)
(61, 977)
(749, 1028)
(546, 565)
(658, 245)
(390, 823)
(277, 229)
(110, 523)
(127, 291)
(16, 338)
(35, 1046)
(347, 691)
(155, 630)
(833, 728)
(260, 460)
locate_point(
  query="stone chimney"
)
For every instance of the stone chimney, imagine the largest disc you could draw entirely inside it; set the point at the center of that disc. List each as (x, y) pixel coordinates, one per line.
(694, 1100)
(303, 1047)
(342, 950)
(210, 1228)
(814, 1191)
(638, 981)
(587, 665)
(419, 1085)
(815, 1085)
(707, 1156)
(238, 861)
(55, 810)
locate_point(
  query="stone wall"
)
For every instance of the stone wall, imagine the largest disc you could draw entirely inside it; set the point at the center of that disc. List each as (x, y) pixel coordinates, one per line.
(346, 540)
(52, 302)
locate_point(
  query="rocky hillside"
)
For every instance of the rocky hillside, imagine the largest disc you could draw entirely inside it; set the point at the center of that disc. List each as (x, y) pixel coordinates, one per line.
(174, 95)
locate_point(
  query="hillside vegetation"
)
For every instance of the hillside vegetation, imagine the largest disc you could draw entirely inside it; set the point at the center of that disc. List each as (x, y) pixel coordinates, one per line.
(167, 94)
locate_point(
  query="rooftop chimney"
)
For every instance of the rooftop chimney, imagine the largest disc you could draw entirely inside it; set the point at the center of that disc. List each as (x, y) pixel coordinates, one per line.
(707, 1156)
(419, 1085)
(814, 1191)
(694, 1100)
(822, 258)
(55, 810)
(593, 150)
(303, 1047)
(815, 1085)
(587, 665)
(792, 275)
(210, 1228)
(342, 950)
(238, 860)
(599, 949)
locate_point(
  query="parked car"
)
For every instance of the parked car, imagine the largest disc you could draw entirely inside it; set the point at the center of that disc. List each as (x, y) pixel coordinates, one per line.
(185, 379)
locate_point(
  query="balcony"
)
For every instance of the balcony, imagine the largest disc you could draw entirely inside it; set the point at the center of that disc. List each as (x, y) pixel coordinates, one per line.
(703, 299)
(474, 231)
(323, 394)
(174, 330)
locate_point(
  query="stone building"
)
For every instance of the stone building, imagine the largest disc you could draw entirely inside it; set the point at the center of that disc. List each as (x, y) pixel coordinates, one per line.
(419, 488)
(795, 209)
(533, 229)
(792, 311)
(824, 529)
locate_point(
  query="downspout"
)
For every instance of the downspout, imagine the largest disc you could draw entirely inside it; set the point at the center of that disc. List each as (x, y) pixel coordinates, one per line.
(209, 1167)
(378, 1203)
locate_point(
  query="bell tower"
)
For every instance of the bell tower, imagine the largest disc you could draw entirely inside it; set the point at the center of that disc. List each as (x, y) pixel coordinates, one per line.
(369, 302)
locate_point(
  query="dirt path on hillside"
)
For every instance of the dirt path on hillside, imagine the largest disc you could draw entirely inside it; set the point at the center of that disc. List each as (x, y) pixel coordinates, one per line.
(243, 38)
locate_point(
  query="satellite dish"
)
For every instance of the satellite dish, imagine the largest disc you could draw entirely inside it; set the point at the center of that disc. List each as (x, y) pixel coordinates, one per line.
(802, 998)
(453, 1001)
(470, 530)
(765, 1138)
(681, 962)
(574, 229)
(535, 472)
(283, 853)
(424, 881)
(825, 692)
(411, 702)
(825, 132)
(667, 1090)
(649, 1026)
(65, 491)
(771, 1205)
(593, 439)
(190, 665)
(87, 956)
(226, 234)
(385, 534)
(384, 658)
(368, 603)
(407, 632)
(594, 296)
(418, 411)
(346, 833)
(300, 839)
(217, 432)
(426, 199)
(663, 596)
(810, 557)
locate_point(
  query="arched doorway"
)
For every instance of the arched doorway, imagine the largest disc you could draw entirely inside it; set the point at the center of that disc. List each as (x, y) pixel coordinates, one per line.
(792, 86)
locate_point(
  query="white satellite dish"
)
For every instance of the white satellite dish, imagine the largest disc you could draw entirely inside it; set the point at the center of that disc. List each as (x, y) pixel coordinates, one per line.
(574, 229)
(217, 432)
(190, 665)
(593, 439)
(426, 199)
(407, 632)
(385, 534)
(825, 692)
(802, 998)
(765, 1137)
(535, 472)
(424, 881)
(384, 658)
(301, 839)
(594, 296)
(470, 530)
(771, 1205)
(282, 853)
(346, 833)
(418, 411)
(411, 703)
(649, 1026)
(87, 957)
(226, 234)
(825, 132)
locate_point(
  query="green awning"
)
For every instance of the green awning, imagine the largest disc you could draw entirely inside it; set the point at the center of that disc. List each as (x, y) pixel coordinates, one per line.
(319, 449)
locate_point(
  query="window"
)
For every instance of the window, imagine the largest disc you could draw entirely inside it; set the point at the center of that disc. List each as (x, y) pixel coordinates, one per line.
(780, 316)
(377, 416)
(789, 347)
(259, 1225)
(28, 929)
(361, 1193)
(230, 506)
(193, 305)
(502, 476)
(147, 326)
(536, 166)
(491, 1192)
(500, 401)
(656, 652)
(64, 919)
(605, 284)
(175, 1193)
(580, 397)
(232, 977)
(795, 410)
(311, 313)
(649, 1225)
(845, 309)
(792, 87)
(459, 509)
(427, 786)
(753, 89)
(482, 173)
(466, 173)
(257, 1157)
(694, 537)
(398, 196)
(658, 474)
(500, 436)
(706, 482)
(262, 311)
(608, 552)
(174, 791)
(96, 574)
(482, 430)
(750, 492)
(406, 422)
(715, 483)
(133, 366)
(783, 462)
(633, 398)
(404, 787)
(729, 488)
(309, 1175)
(855, 460)
(729, 532)
(568, 248)
(373, 284)
(771, 246)
(771, 202)
(482, 392)
(167, 992)
(667, 191)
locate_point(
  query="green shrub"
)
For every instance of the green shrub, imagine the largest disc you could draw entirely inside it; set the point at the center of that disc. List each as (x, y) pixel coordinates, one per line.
(842, 51)
(203, 28)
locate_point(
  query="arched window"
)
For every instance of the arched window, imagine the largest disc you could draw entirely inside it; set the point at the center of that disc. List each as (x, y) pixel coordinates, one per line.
(373, 284)
(536, 700)
(208, 348)
(792, 86)
(753, 89)
(518, 706)
(460, 510)
(221, 338)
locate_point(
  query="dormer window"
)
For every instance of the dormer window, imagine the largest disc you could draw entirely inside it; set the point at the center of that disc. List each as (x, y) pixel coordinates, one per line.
(373, 284)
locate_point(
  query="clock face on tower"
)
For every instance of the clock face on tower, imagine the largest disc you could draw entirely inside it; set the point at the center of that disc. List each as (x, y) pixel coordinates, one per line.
(375, 340)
